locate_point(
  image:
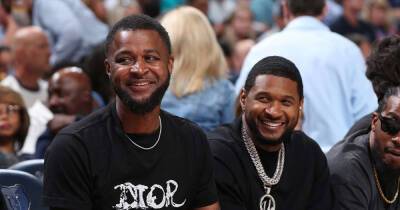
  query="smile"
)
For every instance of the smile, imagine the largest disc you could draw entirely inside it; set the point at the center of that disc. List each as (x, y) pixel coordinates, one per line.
(141, 84)
(272, 124)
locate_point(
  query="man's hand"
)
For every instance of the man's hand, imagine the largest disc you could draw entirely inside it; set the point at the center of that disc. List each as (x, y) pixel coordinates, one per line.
(60, 121)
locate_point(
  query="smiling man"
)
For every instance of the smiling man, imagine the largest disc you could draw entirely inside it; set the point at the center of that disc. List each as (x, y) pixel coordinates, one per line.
(260, 161)
(366, 166)
(131, 154)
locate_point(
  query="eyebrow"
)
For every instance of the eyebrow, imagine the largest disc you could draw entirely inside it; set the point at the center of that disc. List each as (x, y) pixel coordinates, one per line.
(151, 51)
(267, 93)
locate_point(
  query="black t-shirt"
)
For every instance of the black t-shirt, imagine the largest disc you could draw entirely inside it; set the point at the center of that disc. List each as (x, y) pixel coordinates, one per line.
(353, 181)
(304, 184)
(93, 165)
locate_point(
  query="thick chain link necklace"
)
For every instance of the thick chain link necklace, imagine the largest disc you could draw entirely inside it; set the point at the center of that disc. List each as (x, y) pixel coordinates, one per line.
(267, 202)
(154, 145)
(378, 185)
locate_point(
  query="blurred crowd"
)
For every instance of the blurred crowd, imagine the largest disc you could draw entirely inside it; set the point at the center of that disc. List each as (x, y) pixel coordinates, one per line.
(52, 70)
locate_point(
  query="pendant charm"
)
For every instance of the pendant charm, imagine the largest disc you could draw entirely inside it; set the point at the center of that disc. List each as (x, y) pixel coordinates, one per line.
(267, 202)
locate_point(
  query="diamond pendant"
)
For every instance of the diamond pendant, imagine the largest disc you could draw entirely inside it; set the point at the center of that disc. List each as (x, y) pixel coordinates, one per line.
(267, 202)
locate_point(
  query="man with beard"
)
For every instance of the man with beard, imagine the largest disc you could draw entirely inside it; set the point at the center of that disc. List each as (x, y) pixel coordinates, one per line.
(69, 100)
(132, 155)
(260, 161)
(365, 167)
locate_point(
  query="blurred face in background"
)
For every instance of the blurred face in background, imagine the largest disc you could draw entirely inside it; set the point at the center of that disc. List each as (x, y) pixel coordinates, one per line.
(10, 120)
(378, 15)
(241, 22)
(354, 6)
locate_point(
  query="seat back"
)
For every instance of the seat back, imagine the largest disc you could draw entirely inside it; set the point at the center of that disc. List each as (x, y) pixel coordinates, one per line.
(34, 167)
(17, 183)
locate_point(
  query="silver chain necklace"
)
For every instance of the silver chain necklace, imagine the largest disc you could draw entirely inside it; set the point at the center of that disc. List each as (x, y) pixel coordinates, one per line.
(267, 202)
(154, 145)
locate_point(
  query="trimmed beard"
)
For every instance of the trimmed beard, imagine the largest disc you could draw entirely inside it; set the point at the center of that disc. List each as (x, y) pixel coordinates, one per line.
(261, 140)
(144, 106)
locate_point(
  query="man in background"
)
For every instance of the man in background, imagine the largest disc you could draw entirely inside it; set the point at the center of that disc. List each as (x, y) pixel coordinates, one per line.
(70, 99)
(31, 53)
(336, 91)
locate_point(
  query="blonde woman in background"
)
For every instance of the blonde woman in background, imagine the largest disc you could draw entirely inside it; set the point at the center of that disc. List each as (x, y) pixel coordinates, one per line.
(199, 89)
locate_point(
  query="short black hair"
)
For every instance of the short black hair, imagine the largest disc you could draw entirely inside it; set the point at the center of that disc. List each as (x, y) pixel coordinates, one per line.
(383, 65)
(306, 7)
(137, 22)
(277, 66)
(390, 91)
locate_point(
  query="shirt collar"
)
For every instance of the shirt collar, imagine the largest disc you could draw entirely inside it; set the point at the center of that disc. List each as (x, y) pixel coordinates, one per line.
(306, 23)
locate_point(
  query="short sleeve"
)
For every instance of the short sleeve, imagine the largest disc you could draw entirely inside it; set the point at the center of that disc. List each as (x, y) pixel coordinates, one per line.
(206, 193)
(66, 174)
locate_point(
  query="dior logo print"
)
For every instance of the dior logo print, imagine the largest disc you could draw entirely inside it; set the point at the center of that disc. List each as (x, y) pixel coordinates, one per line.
(144, 197)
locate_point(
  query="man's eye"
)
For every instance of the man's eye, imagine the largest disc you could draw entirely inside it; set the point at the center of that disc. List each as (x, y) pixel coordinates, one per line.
(286, 103)
(152, 58)
(124, 61)
(263, 99)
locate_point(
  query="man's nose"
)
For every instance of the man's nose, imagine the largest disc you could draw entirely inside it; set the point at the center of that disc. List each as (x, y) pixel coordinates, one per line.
(273, 109)
(139, 67)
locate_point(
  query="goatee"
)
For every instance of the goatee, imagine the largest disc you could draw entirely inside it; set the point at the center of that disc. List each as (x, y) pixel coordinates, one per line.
(256, 135)
(143, 106)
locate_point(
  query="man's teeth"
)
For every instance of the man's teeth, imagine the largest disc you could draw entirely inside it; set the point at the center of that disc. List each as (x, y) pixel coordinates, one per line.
(141, 83)
(272, 124)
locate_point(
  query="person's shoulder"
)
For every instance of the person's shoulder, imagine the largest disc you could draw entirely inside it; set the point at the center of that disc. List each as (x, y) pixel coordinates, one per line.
(224, 141)
(349, 155)
(94, 122)
(300, 139)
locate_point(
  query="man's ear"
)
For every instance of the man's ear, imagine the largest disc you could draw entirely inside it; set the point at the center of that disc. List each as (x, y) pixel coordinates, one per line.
(374, 121)
(301, 106)
(108, 67)
(242, 99)
(170, 63)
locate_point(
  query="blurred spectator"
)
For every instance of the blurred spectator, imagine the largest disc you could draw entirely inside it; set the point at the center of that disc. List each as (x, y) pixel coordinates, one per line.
(5, 61)
(220, 10)
(239, 26)
(31, 53)
(262, 10)
(8, 25)
(167, 5)
(383, 70)
(350, 22)
(73, 28)
(117, 9)
(150, 7)
(377, 14)
(240, 51)
(69, 99)
(334, 12)
(14, 124)
(99, 9)
(279, 20)
(94, 67)
(199, 90)
(201, 5)
(362, 42)
(332, 68)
